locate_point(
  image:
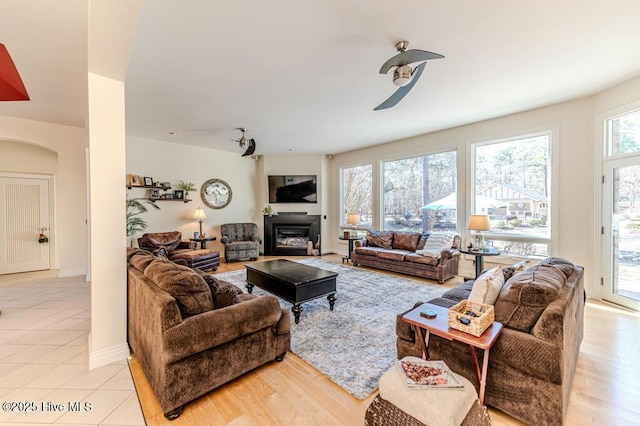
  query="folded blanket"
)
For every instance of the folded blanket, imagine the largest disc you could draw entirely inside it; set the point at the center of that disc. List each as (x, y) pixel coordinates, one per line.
(430, 252)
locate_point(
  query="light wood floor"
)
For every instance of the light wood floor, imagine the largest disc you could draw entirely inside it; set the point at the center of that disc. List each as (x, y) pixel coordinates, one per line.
(605, 390)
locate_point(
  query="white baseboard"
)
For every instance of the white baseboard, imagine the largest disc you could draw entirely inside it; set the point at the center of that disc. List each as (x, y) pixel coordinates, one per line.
(71, 272)
(108, 355)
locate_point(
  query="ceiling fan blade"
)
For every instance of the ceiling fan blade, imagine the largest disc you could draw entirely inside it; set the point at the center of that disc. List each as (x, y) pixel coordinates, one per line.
(251, 149)
(402, 92)
(408, 57)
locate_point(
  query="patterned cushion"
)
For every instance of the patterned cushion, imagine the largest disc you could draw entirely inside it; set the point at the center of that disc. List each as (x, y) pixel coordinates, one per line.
(406, 240)
(527, 294)
(190, 291)
(382, 239)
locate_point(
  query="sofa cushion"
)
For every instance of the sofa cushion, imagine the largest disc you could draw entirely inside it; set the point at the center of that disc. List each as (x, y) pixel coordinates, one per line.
(223, 293)
(397, 255)
(487, 286)
(382, 239)
(369, 251)
(406, 240)
(423, 239)
(461, 292)
(139, 258)
(509, 271)
(561, 264)
(437, 242)
(526, 295)
(417, 258)
(191, 292)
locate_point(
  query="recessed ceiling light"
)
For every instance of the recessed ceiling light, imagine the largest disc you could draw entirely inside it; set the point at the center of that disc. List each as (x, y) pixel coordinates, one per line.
(173, 133)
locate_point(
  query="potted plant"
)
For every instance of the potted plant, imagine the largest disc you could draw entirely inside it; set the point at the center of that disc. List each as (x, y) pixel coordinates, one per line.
(135, 207)
(186, 187)
(267, 210)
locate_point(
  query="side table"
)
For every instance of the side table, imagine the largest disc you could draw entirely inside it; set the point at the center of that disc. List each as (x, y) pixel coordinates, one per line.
(479, 254)
(440, 327)
(203, 241)
(351, 240)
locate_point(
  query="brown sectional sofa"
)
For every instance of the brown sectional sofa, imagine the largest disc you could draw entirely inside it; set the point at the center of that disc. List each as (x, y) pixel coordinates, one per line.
(396, 251)
(192, 333)
(532, 364)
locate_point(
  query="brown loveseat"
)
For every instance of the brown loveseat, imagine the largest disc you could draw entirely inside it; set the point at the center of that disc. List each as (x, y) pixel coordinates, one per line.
(532, 363)
(396, 251)
(192, 335)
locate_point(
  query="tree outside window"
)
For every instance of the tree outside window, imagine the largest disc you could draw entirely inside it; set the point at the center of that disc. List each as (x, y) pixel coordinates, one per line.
(512, 181)
(420, 193)
(357, 194)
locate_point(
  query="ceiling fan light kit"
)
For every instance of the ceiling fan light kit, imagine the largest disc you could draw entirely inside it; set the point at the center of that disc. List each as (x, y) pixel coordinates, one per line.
(403, 75)
(248, 144)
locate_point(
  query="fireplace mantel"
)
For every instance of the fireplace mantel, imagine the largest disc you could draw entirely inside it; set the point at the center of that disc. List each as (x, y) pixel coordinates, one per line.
(295, 223)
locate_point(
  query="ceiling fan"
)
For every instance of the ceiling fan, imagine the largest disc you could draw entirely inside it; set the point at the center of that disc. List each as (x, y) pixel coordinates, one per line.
(248, 144)
(403, 75)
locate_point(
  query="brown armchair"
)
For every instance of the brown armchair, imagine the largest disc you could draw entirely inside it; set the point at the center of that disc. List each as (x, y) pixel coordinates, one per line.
(178, 250)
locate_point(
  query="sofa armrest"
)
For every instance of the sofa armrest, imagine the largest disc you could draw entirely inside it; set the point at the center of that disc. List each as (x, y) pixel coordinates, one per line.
(225, 240)
(528, 354)
(256, 238)
(447, 254)
(360, 243)
(404, 330)
(213, 328)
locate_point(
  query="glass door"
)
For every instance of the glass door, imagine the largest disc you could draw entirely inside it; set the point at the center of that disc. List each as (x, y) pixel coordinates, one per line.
(622, 232)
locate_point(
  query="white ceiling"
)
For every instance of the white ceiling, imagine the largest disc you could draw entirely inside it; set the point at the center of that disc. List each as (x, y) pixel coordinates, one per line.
(303, 76)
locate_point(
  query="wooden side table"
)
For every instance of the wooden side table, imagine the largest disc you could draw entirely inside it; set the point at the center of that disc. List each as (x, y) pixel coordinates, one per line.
(203, 241)
(479, 254)
(351, 240)
(440, 327)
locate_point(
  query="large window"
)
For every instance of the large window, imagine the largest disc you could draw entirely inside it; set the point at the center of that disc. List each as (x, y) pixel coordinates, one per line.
(624, 134)
(357, 194)
(512, 181)
(420, 193)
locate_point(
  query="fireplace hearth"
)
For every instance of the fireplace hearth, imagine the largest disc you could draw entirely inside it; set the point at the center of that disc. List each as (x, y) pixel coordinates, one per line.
(290, 234)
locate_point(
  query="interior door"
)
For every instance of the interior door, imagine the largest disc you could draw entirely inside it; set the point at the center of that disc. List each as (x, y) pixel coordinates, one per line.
(622, 232)
(24, 215)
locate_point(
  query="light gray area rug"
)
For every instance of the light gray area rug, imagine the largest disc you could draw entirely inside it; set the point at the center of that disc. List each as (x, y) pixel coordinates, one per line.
(354, 344)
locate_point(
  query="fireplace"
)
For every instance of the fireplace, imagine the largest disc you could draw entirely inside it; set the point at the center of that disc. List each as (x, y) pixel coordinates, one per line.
(289, 234)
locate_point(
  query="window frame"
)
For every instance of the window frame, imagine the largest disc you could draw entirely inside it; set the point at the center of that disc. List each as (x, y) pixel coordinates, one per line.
(343, 219)
(551, 241)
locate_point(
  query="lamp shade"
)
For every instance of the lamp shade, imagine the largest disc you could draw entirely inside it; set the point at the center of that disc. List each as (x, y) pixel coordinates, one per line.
(353, 219)
(479, 222)
(199, 214)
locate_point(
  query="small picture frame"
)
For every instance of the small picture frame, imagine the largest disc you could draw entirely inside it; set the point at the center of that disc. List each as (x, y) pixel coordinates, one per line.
(148, 181)
(346, 234)
(155, 193)
(134, 180)
(179, 193)
(168, 196)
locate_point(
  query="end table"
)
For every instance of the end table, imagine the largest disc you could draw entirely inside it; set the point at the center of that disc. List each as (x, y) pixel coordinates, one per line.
(203, 241)
(479, 254)
(351, 239)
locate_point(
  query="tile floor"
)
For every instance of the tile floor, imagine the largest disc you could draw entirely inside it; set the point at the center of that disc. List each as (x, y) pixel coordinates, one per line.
(44, 328)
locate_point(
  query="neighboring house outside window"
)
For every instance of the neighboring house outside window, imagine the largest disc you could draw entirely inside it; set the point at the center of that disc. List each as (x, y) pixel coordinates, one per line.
(512, 182)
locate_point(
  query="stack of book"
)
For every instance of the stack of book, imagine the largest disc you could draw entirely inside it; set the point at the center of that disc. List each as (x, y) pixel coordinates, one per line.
(421, 374)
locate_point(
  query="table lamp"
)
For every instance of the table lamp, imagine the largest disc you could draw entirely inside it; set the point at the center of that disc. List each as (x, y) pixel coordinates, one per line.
(199, 215)
(479, 223)
(353, 219)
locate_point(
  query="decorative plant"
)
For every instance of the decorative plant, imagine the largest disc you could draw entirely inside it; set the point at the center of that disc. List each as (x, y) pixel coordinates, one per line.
(186, 187)
(135, 207)
(267, 210)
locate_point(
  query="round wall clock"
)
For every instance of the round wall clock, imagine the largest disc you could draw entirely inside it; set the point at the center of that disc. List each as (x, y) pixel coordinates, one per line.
(216, 193)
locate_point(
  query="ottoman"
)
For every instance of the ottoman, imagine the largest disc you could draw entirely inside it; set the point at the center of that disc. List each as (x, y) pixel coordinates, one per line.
(201, 259)
(396, 404)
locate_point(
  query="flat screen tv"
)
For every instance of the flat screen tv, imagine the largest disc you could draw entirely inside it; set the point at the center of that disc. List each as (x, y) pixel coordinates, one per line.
(293, 189)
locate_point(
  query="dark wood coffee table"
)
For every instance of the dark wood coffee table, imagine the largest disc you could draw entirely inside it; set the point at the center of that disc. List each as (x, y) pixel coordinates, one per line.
(294, 282)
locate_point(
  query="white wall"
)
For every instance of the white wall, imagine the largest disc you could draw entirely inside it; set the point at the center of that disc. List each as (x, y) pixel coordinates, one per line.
(297, 164)
(171, 162)
(68, 144)
(574, 179)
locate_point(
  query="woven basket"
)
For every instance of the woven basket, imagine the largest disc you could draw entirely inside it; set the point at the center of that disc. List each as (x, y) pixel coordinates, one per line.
(477, 325)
